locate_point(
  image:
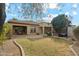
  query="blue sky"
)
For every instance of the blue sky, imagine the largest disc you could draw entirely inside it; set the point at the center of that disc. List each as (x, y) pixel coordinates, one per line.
(52, 11)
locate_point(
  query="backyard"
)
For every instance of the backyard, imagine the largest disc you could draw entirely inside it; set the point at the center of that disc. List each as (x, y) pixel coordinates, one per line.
(33, 26)
(45, 47)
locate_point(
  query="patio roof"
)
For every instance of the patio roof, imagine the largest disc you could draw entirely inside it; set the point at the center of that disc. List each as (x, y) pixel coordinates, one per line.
(22, 23)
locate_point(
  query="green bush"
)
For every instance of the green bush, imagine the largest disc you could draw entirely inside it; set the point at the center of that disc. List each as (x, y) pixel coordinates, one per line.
(60, 23)
(5, 34)
(76, 32)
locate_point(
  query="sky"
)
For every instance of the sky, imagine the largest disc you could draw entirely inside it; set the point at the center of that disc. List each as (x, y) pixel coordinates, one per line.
(52, 10)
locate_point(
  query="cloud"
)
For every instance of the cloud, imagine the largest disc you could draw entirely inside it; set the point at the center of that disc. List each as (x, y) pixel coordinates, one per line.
(54, 6)
(74, 13)
(74, 5)
(67, 13)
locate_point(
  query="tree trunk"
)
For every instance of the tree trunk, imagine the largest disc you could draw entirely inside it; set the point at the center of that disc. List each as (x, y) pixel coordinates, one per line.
(2, 15)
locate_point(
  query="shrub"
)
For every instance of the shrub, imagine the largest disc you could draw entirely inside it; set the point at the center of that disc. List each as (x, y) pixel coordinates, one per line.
(76, 32)
(5, 34)
(60, 23)
(7, 28)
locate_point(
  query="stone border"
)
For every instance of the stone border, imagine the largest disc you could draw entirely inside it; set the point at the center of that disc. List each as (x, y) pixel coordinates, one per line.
(20, 48)
(73, 49)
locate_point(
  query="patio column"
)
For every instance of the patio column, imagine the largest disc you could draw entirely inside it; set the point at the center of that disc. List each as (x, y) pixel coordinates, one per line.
(52, 30)
(28, 30)
(11, 31)
(43, 30)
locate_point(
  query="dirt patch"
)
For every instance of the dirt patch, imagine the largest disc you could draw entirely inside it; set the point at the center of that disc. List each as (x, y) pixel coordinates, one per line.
(9, 49)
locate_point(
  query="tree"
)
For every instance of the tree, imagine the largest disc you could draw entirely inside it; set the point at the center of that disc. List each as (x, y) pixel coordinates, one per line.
(60, 23)
(28, 10)
(33, 10)
(2, 16)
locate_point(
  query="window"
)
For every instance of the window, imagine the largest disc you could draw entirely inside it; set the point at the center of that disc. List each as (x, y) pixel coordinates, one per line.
(33, 30)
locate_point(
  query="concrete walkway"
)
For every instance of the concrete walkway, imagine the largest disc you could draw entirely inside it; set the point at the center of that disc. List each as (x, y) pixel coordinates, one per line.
(9, 49)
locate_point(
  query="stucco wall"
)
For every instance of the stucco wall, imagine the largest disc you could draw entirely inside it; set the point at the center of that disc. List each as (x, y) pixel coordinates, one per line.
(28, 29)
(45, 24)
(70, 31)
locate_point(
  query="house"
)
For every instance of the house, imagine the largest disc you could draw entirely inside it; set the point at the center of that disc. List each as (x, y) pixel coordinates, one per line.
(35, 28)
(30, 27)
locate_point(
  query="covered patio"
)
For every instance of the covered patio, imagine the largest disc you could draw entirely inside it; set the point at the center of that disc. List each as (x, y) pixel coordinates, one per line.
(30, 28)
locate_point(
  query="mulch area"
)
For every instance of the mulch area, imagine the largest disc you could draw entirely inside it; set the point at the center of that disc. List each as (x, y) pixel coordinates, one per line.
(9, 49)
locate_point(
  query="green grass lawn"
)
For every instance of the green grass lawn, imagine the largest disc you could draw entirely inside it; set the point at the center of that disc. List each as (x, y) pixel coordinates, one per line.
(45, 47)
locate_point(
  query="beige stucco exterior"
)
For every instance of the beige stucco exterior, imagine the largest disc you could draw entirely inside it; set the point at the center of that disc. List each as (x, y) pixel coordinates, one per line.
(40, 28)
(70, 31)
